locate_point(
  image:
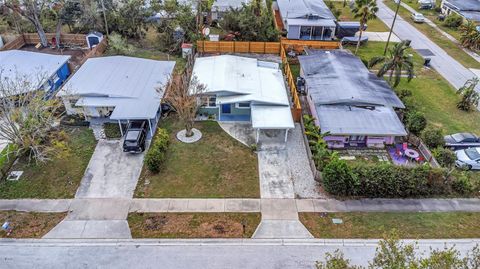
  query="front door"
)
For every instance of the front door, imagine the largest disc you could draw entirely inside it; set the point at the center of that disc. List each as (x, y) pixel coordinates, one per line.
(226, 108)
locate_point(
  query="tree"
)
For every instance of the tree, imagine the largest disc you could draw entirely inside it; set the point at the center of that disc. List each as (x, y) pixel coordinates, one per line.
(453, 21)
(32, 11)
(469, 36)
(365, 10)
(391, 253)
(397, 61)
(470, 96)
(119, 45)
(335, 261)
(27, 116)
(183, 93)
(415, 122)
(433, 137)
(128, 18)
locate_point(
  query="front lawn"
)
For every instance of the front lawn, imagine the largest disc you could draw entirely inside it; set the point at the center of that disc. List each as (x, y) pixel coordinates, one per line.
(346, 14)
(452, 49)
(217, 166)
(432, 94)
(408, 225)
(193, 225)
(29, 224)
(58, 177)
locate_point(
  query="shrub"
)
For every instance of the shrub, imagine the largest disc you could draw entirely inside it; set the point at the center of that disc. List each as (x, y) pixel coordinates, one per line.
(339, 179)
(156, 154)
(462, 185)
(445, 157)
(453, 21)
(112, 130)
(416, 122)
(433, 137)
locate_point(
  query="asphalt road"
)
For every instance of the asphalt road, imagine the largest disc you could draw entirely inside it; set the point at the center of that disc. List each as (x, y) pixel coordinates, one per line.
(180, 254)
(447, 66)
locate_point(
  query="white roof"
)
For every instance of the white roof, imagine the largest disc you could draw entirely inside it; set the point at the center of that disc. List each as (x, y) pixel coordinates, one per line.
(235, 79)
(127, 83)
(34, 66)
(225, 5)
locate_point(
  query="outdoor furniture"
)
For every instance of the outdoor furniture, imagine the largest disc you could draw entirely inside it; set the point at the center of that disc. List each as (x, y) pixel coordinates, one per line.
(412, 154)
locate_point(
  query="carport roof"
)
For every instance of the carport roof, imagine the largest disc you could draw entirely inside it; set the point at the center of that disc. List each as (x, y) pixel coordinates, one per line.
(129, 84)
(272, 117)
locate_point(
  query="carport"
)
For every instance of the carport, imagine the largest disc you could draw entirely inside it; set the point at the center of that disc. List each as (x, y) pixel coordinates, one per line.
(271, 118)
(128, 112)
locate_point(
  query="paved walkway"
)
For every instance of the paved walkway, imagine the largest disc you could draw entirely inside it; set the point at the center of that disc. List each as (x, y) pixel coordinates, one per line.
(116, 209)
(448, 67)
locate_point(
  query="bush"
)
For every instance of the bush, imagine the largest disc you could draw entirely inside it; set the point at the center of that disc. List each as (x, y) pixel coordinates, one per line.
(462, 185)
(74, 120)
(445, 157)
(112, 130)
(339, 179)
(416, 122)
(433, 137)
(157, 153)
(453, 21)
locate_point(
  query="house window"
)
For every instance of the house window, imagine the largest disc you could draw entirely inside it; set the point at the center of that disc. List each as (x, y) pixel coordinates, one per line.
(243, 105)
(209, 101)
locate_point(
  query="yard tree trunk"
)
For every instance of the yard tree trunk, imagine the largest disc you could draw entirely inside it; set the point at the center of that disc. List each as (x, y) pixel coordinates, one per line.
(58, 32)
(362, 24)
(189, 128)
(31, 11)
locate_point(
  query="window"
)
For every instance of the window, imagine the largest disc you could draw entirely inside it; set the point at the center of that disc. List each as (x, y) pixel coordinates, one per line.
(243, 105)
(209, 101)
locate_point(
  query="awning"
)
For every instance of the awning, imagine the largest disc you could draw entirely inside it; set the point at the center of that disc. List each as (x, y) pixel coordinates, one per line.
(272, 117)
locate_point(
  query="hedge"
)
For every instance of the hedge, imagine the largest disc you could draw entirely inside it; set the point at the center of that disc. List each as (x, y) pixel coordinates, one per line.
(157, 153)
(384, 180)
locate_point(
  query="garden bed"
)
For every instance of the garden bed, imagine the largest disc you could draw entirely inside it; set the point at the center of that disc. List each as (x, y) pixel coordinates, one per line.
(58, 177)
(193, 225)
(217, 166)
(408, 225)
(29, 224)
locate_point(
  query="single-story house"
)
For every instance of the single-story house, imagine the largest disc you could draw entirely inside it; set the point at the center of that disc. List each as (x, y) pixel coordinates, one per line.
(42, 71)
(307, 19)
(468, 9)
(244, 89)
(118, 88)
(351, 105)
(219, 7)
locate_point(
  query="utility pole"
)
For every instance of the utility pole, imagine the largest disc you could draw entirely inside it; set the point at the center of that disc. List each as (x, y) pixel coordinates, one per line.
(104, 17)
(391, 28)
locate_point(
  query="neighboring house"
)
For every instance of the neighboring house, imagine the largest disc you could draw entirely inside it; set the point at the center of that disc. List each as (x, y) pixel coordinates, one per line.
(351, 105)
(119, 88)
(220, 7)
(307, 19)
(244, 89)
(42, 71)
(468, 9)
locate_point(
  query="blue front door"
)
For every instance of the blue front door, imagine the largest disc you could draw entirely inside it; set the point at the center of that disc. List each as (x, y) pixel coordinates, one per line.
(226, 108)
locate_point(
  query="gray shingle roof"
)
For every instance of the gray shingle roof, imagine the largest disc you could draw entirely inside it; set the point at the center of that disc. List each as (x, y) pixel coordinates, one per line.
(290, 9)
(463, 5)
(339, 77)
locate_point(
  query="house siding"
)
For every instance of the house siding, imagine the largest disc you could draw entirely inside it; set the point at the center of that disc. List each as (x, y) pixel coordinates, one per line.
(293, 32)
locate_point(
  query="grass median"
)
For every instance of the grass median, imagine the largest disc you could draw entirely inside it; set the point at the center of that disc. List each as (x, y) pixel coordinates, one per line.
(29, 224)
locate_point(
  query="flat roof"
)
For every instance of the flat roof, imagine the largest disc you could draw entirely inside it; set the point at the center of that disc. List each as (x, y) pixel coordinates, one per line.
(127, 83)
(339, 77)
(347, 120)
(36, 67)
(272, 117)
(291, 9)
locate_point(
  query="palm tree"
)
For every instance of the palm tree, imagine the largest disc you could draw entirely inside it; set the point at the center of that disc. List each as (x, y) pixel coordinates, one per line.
(470, 97)
(395, 62)
(469, 36)
(365, 10)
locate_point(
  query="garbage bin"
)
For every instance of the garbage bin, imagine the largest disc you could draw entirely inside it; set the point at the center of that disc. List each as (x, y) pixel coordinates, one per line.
(427, 62)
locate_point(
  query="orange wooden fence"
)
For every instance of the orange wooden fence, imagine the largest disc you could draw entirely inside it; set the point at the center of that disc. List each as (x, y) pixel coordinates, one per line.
(17, 43)
(238, 47)
(297, 107)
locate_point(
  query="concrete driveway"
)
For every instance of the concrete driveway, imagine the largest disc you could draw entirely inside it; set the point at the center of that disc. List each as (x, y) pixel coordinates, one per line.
(111, 173)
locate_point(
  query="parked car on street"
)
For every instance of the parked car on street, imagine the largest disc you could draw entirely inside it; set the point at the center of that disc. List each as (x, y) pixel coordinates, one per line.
(461, 141)
(468, 158)
(135, 136)
(418, 17)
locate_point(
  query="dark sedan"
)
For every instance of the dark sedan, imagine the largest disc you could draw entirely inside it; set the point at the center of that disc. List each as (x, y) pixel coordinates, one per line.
(461, 141)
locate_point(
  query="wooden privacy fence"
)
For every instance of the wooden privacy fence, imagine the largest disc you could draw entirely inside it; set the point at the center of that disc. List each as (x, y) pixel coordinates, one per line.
(423, 150)
(296, 108)
(33, 39)
(300, 45)
(98, 50)
(238, 47)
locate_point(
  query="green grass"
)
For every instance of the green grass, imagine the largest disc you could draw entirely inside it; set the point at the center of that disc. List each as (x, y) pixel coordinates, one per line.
(29, 224)
(217, 166)
(58, 177)
(432, 95)
(375, 25)
(452, 49)
(193, 225)
(4, 154)
(408, 225)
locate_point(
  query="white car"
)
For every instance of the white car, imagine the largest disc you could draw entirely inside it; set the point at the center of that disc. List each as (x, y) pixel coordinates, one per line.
(418, 17)
(468, 158)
